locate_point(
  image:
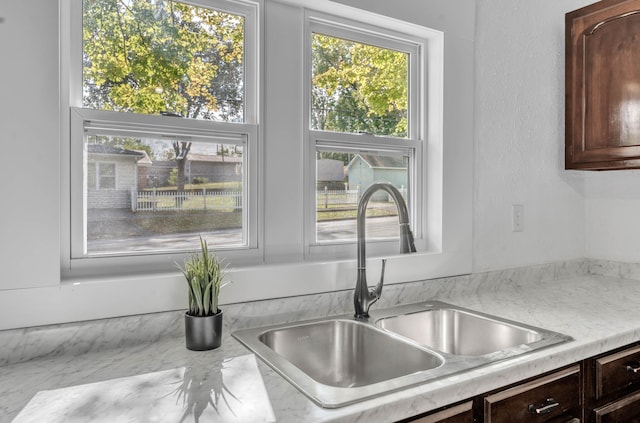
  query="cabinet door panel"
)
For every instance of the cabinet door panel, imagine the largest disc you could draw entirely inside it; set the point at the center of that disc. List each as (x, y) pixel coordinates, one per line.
(602, 80)
(617, 371)
(626, 410)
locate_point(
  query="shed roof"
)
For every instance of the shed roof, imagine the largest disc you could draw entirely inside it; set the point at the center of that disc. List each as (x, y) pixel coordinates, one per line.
(109, 149)
(377, 161)
(213, 158)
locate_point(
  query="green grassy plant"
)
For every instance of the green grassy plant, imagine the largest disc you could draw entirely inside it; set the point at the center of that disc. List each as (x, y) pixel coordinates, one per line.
(204, 276)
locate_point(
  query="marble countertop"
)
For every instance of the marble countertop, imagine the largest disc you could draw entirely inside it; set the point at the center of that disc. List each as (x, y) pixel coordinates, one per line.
(162, 381)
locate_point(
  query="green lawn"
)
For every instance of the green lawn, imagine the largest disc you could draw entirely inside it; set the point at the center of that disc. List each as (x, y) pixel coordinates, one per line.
(177, 222)
(337, 213)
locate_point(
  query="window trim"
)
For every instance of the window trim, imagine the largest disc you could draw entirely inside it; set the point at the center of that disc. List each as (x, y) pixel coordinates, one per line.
(384, 37)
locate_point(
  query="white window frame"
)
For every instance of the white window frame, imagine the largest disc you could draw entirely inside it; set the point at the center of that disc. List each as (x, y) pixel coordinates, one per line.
(83, 122)
(412, 145)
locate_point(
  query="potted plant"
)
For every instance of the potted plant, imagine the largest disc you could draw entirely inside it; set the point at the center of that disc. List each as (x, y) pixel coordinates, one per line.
(203, 319)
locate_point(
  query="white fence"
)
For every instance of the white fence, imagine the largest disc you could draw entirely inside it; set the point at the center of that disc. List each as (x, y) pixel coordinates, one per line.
(188, 200)
(227, 200)
(327, 197)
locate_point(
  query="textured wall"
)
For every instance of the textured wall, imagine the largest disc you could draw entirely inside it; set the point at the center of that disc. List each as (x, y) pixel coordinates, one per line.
(519, 106)
(613, 215)
(29, 133)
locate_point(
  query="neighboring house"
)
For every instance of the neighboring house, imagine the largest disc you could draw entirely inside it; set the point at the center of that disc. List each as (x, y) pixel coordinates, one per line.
(212, 167)
(330, 173)
(112, 173)
(364, 169)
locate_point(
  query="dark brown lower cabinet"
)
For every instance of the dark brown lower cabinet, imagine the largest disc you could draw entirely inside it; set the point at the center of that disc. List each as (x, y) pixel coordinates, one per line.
(601, 389)
(554, 397)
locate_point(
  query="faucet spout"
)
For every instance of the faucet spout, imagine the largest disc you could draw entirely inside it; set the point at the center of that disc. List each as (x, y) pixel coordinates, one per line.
(364, 297)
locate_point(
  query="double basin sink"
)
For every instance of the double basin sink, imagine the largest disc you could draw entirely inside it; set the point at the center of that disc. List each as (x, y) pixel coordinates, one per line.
(340, 360)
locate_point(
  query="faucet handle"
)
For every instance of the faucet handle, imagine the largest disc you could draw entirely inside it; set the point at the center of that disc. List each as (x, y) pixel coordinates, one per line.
(378, 289)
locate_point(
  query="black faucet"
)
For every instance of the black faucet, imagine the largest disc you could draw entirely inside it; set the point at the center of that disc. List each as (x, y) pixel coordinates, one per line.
(363, 297)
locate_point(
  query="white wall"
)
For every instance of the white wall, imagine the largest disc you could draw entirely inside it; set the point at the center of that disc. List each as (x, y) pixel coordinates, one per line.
(519, 157)
(519, 137)
(29, 140)
(613, 215)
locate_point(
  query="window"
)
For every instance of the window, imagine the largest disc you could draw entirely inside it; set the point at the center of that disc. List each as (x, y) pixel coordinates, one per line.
(271, 213)
(365, 126)
(171, 191)
(164, 127)
(101, 175)
(106, 176)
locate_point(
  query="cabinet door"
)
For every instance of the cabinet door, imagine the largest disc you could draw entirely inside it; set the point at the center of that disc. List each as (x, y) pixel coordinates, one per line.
(625, 410)
(462, 413)
(602, 86)
(618, 371)
(555, 397)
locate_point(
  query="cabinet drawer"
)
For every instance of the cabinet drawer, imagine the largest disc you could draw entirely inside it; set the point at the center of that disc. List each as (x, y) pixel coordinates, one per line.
(626, 409)
(552, 397)
(617, 371)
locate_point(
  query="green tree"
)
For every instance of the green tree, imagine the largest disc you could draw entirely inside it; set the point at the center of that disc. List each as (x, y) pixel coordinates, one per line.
(336, 155)
(358, 87)
(163, 57)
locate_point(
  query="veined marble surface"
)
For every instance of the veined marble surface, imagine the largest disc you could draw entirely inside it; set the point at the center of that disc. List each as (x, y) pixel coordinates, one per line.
(160, 380)
(25, 344)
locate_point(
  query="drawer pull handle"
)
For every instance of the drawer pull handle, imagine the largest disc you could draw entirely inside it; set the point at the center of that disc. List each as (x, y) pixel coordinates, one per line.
(545, 408)
(633, 367)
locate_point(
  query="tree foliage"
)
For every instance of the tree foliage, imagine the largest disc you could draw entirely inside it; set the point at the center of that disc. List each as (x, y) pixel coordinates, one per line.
(358, 87)
(153, 56)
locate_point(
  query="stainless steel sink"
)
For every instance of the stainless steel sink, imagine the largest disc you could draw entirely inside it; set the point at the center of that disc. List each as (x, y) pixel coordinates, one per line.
(459, 332)
(341, 360)
(346, 353)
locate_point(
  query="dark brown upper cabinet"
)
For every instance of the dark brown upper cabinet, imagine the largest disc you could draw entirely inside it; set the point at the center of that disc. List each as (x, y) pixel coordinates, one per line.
(602, 90)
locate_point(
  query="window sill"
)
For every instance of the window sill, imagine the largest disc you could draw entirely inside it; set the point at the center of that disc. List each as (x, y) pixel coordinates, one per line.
(104, 297)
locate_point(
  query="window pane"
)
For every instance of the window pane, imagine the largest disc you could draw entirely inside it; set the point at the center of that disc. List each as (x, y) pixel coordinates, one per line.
(358, 88)
(163, 56)
(341, 179)
(107, 175)
(168, 194)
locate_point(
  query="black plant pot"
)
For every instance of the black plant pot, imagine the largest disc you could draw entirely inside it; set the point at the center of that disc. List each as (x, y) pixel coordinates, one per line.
(203, 332)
